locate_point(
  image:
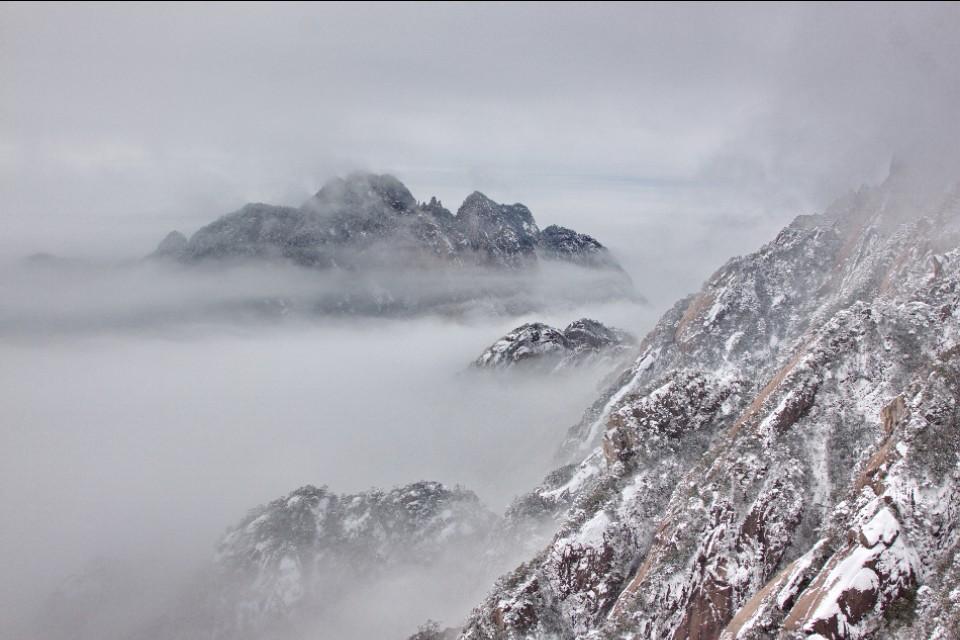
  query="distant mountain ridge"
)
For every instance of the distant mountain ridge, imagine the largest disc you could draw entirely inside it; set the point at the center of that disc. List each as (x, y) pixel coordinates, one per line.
(367, 220)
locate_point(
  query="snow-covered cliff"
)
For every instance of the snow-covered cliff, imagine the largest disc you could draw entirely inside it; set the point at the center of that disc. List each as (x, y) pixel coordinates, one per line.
(782, 459)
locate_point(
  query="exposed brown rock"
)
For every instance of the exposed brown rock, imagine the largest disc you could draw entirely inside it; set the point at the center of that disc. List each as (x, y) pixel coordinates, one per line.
(696, 307)
(865, 575)
(876, 468)
(708, 611)
(767, 390)
(892, 414)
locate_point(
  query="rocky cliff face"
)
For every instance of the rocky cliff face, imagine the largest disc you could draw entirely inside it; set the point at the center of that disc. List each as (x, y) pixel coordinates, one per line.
(541, 346)
(498, 234)
(782, 458)
(367, 221)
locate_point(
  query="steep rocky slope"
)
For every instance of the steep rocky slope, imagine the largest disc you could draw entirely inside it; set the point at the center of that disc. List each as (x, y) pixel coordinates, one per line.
(541, 346)
(782, 458)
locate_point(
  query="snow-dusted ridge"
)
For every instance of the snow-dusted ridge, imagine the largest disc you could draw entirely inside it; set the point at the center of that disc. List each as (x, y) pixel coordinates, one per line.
(539, 345)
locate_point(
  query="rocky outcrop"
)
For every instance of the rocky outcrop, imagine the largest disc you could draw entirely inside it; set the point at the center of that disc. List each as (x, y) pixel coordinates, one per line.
(780, 461)
(539, 345)
(294, 561)
(561, 243)
(498, 234)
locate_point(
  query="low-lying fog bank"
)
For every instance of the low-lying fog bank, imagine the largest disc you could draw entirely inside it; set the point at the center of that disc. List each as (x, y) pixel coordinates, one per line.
(54, 295)
(138, 427)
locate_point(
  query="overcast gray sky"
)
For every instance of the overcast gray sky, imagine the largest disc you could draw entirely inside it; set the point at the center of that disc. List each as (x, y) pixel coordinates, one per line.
(677, 134)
